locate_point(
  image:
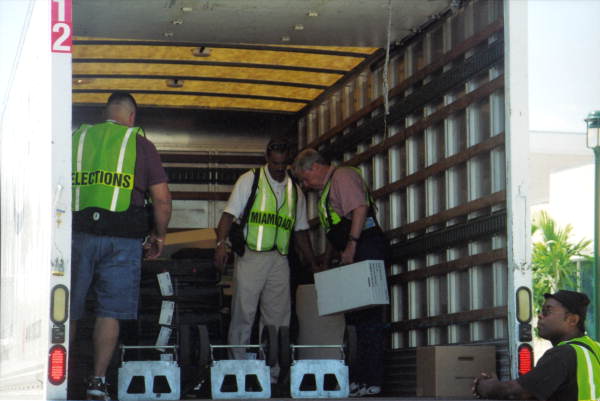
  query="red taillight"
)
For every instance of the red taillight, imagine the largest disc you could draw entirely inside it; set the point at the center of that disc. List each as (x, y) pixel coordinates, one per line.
(525, 359)
(57, 364)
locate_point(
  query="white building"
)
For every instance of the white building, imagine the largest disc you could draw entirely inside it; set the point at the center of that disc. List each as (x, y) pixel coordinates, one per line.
(562, 179)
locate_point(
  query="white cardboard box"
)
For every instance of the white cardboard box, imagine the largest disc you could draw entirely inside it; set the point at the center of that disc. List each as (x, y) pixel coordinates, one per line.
(351, 287)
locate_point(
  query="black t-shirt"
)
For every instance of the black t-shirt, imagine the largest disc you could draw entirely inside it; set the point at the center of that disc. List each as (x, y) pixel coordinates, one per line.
(555, 375)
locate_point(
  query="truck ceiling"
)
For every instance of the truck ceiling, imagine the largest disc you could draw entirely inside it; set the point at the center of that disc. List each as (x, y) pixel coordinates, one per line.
(275, 56)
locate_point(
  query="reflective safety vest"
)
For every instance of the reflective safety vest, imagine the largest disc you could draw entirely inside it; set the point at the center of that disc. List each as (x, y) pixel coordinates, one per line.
(270, 227)
(328, 216)
(103, 179)
(588, 367)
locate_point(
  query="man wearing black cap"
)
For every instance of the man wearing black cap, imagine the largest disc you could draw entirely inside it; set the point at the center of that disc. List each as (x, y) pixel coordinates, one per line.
(568, 371)
(269, 206)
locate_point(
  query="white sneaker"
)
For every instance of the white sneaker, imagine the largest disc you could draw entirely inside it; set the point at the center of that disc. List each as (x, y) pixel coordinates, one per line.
(363, 390)
(356, 389)
(373, 390)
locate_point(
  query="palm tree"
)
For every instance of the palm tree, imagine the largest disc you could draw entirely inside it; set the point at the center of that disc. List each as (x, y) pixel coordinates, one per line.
(552, 258)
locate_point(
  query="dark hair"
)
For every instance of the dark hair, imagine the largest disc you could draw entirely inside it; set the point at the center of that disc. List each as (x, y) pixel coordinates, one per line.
(121, 97)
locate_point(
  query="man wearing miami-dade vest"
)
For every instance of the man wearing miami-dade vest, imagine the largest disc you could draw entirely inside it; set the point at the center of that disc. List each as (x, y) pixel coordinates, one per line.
(569, 371)
(261, 274)
(347, 214)
(114, 169)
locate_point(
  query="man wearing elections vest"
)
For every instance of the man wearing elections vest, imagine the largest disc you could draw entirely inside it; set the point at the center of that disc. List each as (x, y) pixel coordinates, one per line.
(114, 169)
(276, 209)
(569, 371)
(347, 215)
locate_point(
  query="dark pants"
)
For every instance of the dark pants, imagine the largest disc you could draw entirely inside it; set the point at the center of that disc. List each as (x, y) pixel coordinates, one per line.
(369, 324)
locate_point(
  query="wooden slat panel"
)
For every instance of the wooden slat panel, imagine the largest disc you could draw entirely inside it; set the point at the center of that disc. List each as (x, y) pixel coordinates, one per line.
(459, 50)
(449, 267)
(451, 318)
(442, 165)
(204, 158)
(446, 111)
(462, 210)
(210, 196)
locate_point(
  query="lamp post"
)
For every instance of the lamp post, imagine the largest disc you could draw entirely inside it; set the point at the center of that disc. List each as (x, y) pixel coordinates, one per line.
(593, 142)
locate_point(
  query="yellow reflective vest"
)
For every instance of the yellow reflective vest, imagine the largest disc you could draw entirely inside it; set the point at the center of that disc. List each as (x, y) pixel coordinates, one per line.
(327, 216)
(588, 367)
(103, 179)
(270, 227)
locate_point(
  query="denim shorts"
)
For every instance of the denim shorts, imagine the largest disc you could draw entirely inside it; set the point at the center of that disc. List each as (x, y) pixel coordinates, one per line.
(110, 267)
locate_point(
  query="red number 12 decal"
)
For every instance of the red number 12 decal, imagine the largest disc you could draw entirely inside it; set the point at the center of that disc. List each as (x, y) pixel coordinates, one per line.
(61, 26)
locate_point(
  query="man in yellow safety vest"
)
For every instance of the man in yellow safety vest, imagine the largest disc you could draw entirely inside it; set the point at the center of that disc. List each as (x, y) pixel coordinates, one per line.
(114, 168)
(270, 207)
(568, 371)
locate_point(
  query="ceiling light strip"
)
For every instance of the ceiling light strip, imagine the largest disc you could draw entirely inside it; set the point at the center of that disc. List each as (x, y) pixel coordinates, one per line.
(211, 63)
(209, 79)
(208, 94)
(223, 46)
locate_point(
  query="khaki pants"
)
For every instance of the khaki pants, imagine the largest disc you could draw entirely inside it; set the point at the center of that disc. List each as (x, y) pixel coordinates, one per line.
(258, 277)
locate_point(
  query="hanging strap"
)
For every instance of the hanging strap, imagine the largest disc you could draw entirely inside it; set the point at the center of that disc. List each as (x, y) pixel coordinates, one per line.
(251, 198)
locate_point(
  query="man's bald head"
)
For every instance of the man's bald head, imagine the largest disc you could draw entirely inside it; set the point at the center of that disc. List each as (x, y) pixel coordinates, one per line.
(122, 108)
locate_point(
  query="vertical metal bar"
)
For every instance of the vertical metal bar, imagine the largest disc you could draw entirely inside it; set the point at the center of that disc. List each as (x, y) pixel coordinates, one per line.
(516, 109)
(596, 271)
(500, 287)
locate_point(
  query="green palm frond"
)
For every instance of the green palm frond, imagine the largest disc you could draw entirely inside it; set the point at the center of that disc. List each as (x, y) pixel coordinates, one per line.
(552, 257)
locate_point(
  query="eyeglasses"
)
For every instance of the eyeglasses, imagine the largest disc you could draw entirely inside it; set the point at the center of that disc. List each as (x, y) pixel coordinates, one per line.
(547, 311)
(279, 147)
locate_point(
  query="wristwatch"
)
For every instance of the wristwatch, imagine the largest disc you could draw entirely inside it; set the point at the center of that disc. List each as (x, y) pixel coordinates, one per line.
(352, 238)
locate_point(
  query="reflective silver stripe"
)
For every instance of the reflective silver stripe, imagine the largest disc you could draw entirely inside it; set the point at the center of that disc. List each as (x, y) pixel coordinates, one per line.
(290, 200)
(263, 204)
(590, 370)
(79, 161)
(113, 204)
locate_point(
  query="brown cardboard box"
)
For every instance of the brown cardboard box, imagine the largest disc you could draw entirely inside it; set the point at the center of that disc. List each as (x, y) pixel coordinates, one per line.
(448, 371)
(201, 238)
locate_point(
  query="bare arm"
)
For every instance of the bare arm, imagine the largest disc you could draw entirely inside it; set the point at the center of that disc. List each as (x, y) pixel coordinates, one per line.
(221, 252)
(359, 215)
(487, 386)
(302, 241)
(161, 204)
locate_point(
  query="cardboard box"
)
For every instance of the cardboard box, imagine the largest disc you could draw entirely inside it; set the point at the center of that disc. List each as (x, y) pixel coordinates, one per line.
(202, 238)
(351, 287)
(449, 371)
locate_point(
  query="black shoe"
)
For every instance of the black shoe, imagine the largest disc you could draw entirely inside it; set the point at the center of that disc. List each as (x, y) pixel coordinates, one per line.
(97, 390)
(280, 390)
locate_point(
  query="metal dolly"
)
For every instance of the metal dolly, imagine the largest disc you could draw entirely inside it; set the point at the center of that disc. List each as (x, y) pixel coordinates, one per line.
(240, 379)
(156, 376)
(318, 378)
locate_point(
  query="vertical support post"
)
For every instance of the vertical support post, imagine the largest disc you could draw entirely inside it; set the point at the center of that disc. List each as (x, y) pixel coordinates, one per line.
(595, 326)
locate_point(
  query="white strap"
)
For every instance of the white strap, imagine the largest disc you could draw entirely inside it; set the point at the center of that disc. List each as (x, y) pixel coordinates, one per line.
(79, 165)
(113, 204)
(262, 207)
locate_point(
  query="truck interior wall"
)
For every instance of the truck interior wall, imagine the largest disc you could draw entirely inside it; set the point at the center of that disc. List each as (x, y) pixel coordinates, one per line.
(201, 166)
(35, 207)
(436, 166)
